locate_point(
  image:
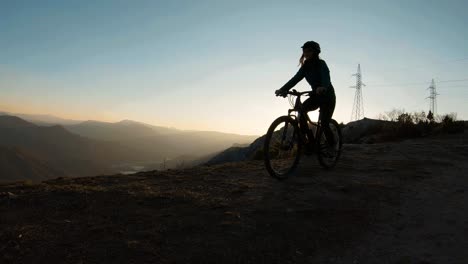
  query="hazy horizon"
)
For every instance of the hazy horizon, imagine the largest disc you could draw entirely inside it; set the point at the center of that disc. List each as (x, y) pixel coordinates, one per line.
(44, 118)
(215, 66)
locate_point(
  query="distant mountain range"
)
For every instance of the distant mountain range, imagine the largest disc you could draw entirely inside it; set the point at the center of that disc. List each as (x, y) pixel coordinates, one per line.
(60, 149)
(158, 141)
(43, 119)
(93, 147)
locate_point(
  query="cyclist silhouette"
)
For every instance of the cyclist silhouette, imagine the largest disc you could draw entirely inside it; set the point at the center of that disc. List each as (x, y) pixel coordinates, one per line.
(317, 74)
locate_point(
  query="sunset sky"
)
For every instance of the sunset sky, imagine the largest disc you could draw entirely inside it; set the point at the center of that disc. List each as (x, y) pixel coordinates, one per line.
(214, 65)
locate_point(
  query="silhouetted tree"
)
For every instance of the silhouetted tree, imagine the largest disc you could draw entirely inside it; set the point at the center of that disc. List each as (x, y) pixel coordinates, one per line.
(430, 116)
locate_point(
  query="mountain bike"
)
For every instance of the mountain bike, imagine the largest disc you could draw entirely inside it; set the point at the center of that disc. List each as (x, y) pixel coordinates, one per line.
(292, 135)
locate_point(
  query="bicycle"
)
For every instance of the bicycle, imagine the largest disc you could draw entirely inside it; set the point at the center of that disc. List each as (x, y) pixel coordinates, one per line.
(289, 134)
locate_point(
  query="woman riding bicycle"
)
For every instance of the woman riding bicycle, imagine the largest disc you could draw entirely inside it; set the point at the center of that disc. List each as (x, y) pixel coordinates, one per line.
(317, 74)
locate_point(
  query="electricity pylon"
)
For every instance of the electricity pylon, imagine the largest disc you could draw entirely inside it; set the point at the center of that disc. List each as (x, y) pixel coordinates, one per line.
(358, 106)
(433, 96)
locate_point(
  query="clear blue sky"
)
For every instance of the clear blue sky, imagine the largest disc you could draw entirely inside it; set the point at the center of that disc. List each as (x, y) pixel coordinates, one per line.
(214, 65)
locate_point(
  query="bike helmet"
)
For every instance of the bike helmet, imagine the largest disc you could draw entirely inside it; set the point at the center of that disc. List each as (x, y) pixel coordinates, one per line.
(311, 45)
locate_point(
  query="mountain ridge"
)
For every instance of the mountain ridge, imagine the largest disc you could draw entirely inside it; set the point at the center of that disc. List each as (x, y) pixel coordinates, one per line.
(45, 120)
(110, 147)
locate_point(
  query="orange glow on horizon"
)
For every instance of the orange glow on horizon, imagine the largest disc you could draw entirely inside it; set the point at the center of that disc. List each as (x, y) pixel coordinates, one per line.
(32, 109)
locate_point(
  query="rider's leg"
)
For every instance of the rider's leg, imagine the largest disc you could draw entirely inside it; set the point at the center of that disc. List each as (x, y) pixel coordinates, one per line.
(310, 104)
(327, 107)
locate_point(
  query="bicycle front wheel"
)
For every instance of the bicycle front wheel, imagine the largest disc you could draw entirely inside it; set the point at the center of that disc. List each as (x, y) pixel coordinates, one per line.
(282, 147)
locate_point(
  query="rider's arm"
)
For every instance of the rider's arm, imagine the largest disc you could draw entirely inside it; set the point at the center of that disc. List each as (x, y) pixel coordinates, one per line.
(294, 80)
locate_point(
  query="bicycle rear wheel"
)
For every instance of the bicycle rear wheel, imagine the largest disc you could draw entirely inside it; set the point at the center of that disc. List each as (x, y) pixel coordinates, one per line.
(282, 147)
(329, 150)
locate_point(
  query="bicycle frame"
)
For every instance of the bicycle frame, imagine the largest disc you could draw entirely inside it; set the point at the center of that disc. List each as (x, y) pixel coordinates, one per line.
(302, 118)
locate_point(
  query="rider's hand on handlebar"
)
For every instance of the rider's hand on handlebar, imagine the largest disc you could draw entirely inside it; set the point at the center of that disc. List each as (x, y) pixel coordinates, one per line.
(280, 92)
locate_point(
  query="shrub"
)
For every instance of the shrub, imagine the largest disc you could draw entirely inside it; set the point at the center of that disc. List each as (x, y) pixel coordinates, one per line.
(417, 124)
(450, 125)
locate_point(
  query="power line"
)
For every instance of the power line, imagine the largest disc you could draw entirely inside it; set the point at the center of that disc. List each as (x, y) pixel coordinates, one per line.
(461, 80)
(425, 66)
(416, 83)
(396, 84)
(454, 86)
(460, 59)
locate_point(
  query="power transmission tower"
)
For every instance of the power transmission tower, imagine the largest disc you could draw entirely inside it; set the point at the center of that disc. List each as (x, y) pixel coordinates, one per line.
(358, 106)
(433, 96)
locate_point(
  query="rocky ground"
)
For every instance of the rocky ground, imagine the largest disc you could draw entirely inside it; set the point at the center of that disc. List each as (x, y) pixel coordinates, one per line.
(400, 202)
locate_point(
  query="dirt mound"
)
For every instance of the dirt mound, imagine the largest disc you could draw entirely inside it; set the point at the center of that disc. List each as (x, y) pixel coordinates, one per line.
(362, 131)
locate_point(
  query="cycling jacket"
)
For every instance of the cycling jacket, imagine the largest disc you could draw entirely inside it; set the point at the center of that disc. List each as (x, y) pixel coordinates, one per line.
(316, 73)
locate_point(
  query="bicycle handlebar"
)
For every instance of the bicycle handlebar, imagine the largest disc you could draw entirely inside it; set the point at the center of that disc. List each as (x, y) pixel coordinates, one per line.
(296, 93)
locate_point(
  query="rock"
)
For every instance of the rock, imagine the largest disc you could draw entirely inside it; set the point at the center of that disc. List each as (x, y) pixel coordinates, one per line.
(8, 195)
(361, 131)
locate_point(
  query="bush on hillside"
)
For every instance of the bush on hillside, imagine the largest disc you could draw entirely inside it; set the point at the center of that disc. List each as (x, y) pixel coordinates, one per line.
(418, 124)
(451, 125)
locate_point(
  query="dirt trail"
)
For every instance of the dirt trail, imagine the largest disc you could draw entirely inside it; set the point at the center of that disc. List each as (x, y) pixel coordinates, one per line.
(401, 202)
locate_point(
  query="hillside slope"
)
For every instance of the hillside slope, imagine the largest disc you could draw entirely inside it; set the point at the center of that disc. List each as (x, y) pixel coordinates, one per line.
(17, 165)
(403, 202)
